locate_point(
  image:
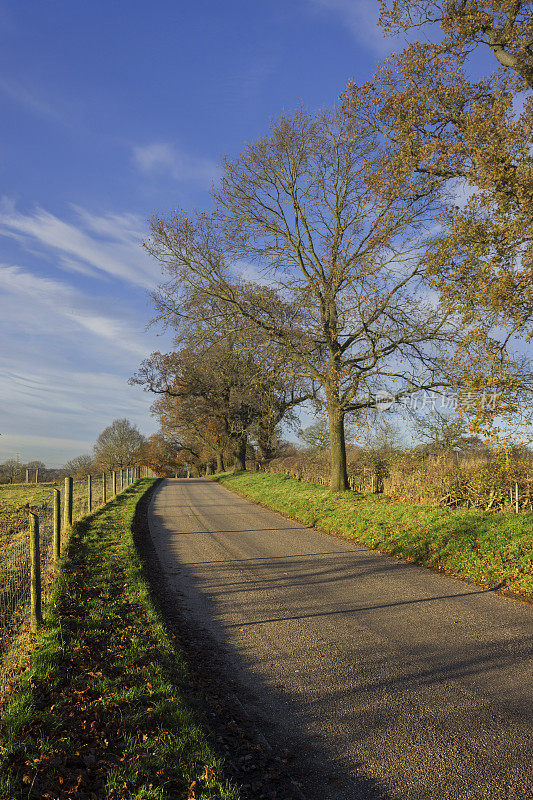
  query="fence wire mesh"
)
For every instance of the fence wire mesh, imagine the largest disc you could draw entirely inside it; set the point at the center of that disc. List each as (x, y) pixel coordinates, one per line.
(14, 594)
(15, 555)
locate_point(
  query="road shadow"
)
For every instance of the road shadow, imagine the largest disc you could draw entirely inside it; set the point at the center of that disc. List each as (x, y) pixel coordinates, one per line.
(263, 729)
(283, 763)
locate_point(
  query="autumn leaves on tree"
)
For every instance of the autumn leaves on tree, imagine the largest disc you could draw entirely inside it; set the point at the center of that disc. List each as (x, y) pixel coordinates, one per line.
(441, 113)
(379, 247)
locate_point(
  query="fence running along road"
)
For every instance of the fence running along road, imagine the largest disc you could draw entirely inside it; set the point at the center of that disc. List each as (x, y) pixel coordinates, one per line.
(30, 549)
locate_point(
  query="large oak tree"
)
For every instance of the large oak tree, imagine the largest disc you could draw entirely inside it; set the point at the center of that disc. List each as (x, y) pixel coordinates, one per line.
(340, 284)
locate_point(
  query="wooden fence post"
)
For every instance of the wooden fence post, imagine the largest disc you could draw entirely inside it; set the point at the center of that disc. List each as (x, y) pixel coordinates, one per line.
(67, 517)
(35, 574)
(89, 493)
(36, 476)
(56, 526)
(27, 476)
(104, 490)
(114, 484)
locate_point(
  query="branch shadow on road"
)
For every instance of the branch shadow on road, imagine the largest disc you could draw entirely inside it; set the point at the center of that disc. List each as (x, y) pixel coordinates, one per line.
(238, 699)
(281, 763)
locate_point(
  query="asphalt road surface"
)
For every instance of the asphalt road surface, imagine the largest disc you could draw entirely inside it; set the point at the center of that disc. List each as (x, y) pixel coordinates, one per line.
(387, 680)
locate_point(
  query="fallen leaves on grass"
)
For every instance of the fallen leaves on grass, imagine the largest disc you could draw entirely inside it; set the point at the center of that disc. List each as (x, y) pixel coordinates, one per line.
(106, 720)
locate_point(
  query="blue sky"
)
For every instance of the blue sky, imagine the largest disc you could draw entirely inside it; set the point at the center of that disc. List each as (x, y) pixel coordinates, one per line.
(108, 113)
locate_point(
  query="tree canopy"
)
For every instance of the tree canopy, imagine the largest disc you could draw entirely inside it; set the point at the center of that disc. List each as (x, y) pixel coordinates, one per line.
(118, 445)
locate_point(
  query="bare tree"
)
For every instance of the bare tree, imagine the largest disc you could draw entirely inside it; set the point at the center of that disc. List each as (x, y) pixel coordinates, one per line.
(118, 445)
(80, 466)
(340, 287)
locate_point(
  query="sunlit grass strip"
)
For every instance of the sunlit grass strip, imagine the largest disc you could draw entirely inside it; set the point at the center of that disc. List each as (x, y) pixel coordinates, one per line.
(489, 549)
(99, 713)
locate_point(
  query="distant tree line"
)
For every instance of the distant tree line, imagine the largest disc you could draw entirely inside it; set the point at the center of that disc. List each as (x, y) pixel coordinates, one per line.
(14, 471)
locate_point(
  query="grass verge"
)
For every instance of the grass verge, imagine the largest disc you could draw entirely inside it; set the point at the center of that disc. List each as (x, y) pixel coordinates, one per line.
(98, 712)
(494, 550)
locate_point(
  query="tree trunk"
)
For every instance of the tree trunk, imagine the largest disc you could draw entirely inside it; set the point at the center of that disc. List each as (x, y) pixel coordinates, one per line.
(239, 460)
(339, 476)
(220, 462)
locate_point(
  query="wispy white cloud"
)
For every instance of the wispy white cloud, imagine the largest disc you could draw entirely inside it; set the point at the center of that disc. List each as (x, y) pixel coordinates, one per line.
(250, 272)
(29, 100)
(76, 267)
(70, 341)
(163, 158)
(63, 393)
(52, 402)
(64, 366)
(360, 17)
(43, 299)
(108, 245)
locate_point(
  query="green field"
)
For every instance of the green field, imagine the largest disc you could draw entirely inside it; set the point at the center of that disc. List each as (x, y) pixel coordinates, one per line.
(17, 500)
(494, 550)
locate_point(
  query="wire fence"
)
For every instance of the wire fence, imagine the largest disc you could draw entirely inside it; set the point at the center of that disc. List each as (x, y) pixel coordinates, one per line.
(52, 519)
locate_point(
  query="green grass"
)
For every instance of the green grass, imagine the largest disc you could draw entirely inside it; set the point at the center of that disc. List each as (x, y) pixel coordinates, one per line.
(100, 713)
(494, 550)
(16, 500)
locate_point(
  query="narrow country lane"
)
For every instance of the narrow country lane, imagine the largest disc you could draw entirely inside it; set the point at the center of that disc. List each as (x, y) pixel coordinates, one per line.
(386, 680)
